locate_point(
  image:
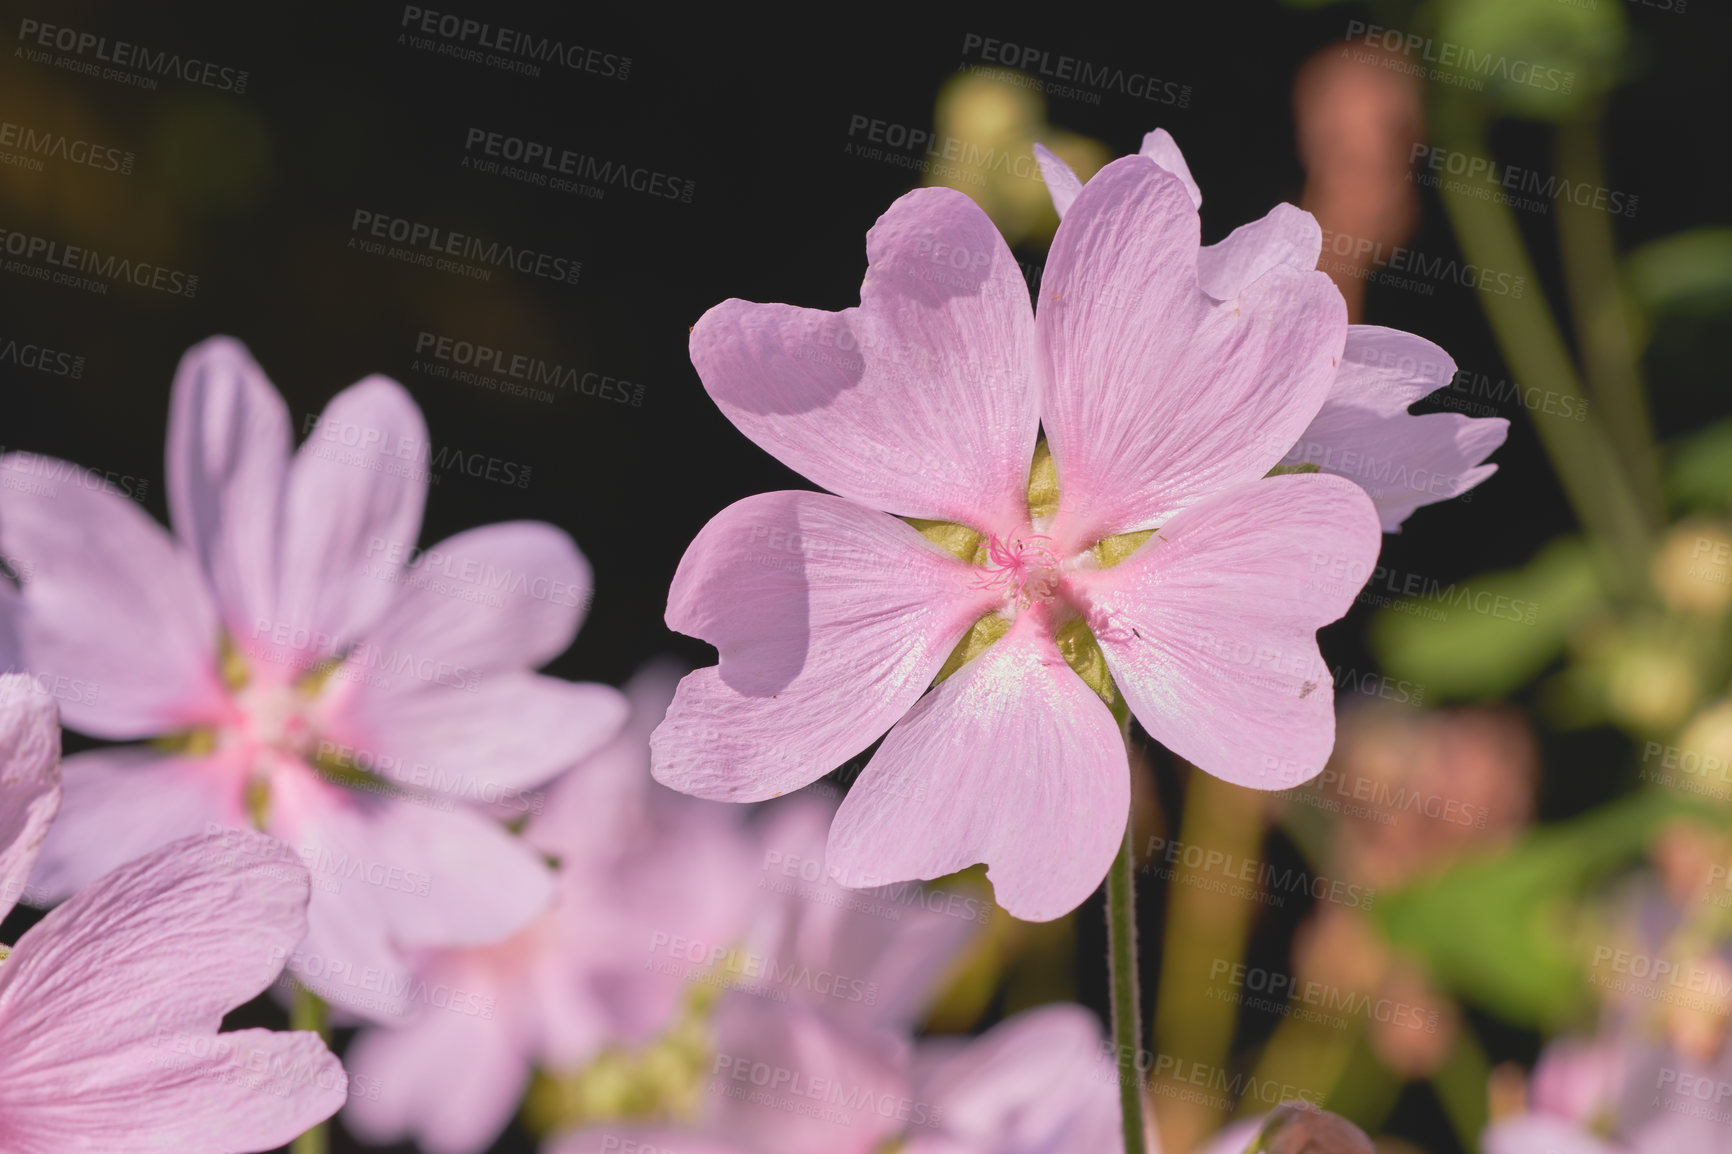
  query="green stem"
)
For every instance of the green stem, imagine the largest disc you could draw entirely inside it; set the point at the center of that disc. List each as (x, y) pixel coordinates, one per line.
(1599, 315)
(308, 1012)
(1588, 466)
(1122, 972)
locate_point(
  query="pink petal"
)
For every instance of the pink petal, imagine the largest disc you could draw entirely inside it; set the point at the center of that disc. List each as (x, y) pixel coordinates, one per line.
(887, 950)
(29, 781)
(481, 737)
(197, 1092)
(119, 991)
(228, 451)
(1364, 432)
(177, 937)
(1287, 237)
(606, 805)
(830, 619)
(1538, 1134)
(503, 596)
(1061, 183)
(853, 1081)
(1160, 147)
(117, 621)
(426, 876)
(1160, 394)
(923, 401)
(449, 1081)
(1037, 1081)
(1012, 761)
(355, 493)
(124, 802)
(1209, 628)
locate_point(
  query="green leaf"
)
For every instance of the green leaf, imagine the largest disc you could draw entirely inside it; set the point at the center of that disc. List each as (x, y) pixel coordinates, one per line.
(1485, 636)
(1500, 931)
(1537, 59)
(1687, 269)
(1699, 468)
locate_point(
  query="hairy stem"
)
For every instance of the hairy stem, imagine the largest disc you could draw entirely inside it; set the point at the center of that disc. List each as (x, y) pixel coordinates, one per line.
(1122, 973)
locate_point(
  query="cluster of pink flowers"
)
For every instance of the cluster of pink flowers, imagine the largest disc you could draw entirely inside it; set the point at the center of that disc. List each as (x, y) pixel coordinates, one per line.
(334, 756)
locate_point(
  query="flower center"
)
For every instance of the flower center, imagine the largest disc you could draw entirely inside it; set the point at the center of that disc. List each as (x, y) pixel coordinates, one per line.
(274, 717)
(1022, 566)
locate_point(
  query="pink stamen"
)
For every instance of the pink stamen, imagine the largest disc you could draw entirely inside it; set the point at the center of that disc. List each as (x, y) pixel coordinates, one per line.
(1023, 562)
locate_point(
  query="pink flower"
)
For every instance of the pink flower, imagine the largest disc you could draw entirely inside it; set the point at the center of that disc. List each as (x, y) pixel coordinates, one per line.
(1037, 1083)
(1034, 1084)
(638, 863)
(312, 685)
(1363, 431)
(1163, 409)
(110, 1006)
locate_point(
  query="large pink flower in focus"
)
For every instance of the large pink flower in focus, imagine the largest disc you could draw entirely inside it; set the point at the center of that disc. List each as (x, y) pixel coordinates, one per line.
(1363, 431)
(311, 681)
(637, 863)
(110, 1006)
(1163, 408)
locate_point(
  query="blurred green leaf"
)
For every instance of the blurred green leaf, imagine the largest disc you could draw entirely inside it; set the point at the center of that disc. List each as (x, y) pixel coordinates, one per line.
(1699, 468)
(1499, 931)
(1539, 59)
(1461, 640)
(1687, 272)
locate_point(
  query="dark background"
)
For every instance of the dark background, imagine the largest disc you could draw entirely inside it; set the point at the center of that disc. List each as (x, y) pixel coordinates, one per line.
(255, 194)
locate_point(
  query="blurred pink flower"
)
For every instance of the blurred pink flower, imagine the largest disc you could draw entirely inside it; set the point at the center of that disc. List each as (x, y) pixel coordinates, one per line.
(110, 1006)
(1034, 1084)
(1163, 409)
(1037, 1083)
(635, 860)
(1363, 430)
(315, 686)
